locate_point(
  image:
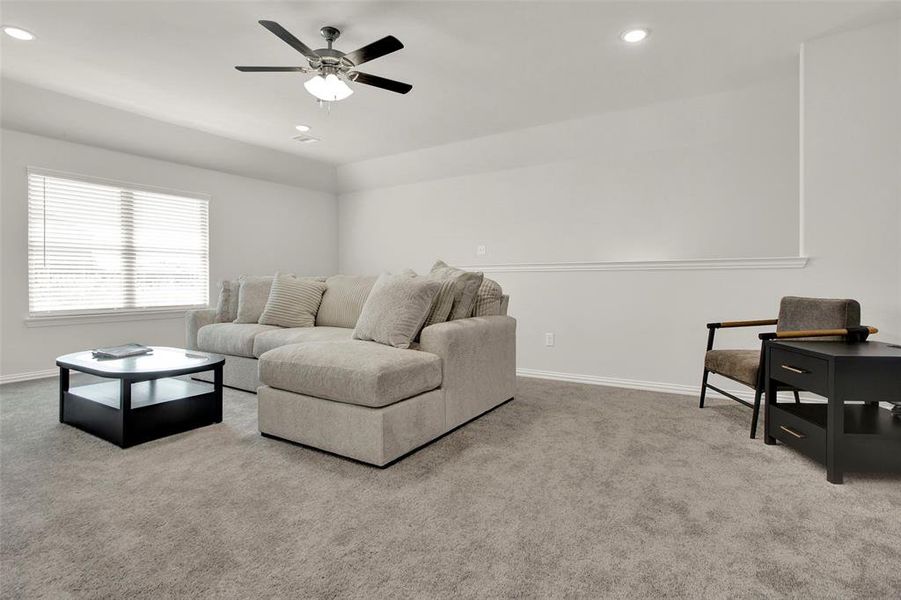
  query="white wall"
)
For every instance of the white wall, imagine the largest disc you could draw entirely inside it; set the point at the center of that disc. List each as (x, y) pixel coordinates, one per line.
(695, 178)
(255, 227)
(727, 187)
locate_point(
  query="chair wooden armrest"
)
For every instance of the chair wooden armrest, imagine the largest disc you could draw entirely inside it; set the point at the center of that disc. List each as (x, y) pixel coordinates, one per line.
(755, 323)
(855, 333)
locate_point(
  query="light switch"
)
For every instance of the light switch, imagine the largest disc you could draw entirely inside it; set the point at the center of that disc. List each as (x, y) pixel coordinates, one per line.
(481, 250)
(548, 339)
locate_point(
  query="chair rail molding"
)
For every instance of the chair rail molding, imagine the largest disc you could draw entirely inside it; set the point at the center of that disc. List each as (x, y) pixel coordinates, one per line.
(688, 264)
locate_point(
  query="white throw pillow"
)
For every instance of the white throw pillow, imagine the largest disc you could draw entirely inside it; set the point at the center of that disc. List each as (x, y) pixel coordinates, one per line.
(252, 296)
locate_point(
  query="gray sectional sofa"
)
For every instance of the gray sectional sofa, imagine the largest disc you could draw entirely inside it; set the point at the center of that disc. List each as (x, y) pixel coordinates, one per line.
(319, 387)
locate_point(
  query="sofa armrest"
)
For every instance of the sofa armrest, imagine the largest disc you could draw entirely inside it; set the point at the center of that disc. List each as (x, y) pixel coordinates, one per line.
(194, 320)
(478, 356)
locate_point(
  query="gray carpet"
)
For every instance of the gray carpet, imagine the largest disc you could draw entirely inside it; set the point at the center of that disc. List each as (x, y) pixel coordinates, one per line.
(568, 491)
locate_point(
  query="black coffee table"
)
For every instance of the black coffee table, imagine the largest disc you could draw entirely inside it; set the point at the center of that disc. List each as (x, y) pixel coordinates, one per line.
(143, 402)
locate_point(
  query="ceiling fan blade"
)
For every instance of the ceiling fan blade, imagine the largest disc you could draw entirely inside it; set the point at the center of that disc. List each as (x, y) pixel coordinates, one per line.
(271, 69)
(289, 39)
(381, 47)
(380, 82)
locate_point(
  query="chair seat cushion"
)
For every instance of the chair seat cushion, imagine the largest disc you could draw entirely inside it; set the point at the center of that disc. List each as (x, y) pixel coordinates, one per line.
(740, 365)
(230, 338)
(354, 371)
(269, 340)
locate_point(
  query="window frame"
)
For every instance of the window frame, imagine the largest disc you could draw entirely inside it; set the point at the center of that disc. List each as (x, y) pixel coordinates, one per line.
(72, 316)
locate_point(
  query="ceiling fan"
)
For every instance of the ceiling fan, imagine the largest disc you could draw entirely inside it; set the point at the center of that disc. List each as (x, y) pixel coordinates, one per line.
(334, 68)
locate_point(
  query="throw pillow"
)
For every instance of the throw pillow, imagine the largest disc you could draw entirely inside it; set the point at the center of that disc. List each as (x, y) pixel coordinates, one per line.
(488, 299)
(396, 308)
(227, 307)
(252, 296)
(293, 301)
(469, 287)
(444, 299)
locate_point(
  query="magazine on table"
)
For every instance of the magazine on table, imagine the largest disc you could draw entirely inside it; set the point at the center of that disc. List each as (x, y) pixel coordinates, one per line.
(122, 351)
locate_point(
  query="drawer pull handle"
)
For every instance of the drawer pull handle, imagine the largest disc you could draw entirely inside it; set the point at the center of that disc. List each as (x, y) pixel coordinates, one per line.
(795, 370)
(791, 431)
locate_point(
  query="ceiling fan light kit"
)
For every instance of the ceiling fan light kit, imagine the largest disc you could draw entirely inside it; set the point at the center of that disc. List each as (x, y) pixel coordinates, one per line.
(332, 68)
(329, 88)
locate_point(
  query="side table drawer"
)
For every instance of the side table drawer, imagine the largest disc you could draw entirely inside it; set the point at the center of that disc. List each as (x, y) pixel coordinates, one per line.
(800, 434)
(805, 372)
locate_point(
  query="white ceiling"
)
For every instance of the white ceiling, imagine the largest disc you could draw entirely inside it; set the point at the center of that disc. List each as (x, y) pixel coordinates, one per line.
(477, 67)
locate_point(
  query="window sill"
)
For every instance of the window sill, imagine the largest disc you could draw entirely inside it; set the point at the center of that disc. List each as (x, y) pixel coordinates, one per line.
(109, 317)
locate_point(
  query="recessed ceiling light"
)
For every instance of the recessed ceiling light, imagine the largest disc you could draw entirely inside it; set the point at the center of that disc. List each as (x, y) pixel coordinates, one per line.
(302, 128)
(18, 33)
(633, 36)
(306, 139)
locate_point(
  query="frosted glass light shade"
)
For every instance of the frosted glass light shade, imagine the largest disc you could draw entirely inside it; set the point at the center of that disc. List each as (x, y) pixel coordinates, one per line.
(329, 88)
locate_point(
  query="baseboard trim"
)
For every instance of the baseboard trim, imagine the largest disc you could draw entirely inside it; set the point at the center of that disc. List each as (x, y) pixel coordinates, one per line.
(631, 384)
(28, 376)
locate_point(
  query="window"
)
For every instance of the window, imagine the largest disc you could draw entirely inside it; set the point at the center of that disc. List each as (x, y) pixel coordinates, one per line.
(97, 246)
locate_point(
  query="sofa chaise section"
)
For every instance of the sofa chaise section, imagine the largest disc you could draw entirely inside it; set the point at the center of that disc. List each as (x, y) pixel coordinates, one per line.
(354, 371)
(375, 403)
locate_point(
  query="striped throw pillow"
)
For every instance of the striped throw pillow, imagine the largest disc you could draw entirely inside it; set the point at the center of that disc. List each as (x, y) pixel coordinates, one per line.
(293, 301)
(488, 299)
(444, 301)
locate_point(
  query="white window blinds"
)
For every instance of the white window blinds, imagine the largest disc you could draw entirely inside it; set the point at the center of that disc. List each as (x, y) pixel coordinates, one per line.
(97, 247)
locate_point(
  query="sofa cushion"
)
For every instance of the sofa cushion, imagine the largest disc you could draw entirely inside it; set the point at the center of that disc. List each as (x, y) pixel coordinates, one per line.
(396, 309)
(269, 340)
(293, 301)
(355, 372)
(343, 300)
(230, 338)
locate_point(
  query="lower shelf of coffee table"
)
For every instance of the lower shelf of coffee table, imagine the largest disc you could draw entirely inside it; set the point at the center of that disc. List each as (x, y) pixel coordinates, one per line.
(159, 408)
(143, 393)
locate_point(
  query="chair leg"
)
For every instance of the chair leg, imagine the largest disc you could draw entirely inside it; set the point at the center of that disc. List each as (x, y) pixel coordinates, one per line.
(757, 395)
(703, 387)
(797, 397)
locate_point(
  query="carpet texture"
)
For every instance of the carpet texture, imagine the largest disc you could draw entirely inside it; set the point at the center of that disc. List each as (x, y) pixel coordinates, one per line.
(568, 491)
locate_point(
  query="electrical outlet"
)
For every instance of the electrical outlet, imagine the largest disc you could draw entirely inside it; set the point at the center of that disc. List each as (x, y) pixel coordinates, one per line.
(481, 250)
(548, 339)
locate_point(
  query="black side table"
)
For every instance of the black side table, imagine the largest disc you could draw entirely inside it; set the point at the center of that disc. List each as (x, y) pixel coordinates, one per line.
(142, 402)
(843, 436)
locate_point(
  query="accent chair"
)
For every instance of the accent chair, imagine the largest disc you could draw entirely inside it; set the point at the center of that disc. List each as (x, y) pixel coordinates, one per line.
(819, 318)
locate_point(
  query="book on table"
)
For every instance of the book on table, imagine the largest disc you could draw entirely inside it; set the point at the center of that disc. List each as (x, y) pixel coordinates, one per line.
(122, 351)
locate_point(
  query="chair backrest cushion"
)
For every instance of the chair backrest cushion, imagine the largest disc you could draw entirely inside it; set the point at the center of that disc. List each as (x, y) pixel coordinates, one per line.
(798, 314)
